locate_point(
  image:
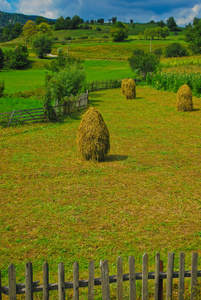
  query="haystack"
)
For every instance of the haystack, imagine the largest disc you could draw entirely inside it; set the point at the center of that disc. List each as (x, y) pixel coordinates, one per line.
(130, 89)
(93, 141)
(123, 85)
(184, 98)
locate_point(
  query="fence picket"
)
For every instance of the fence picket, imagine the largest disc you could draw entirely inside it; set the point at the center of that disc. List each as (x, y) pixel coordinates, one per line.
(170, 269)
(132, 278)
(75, 281)
(119, 278)
(45, 281)
(28, 281)
(105, 280)
(61, 282)
(194, 276)
(12, 282)
(157, 277)
(91, 281)
(145, 277)
(181, 275)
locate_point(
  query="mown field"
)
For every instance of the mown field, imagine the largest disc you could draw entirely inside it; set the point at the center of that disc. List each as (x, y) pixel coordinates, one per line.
(145, 197)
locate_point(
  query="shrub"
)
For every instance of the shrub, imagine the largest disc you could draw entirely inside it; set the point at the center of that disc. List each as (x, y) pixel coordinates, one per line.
(98, 28)
(84, 37)
(175, 50)
(67, 38)
(184, 98)
(42, 44)
(130, 89)
(105, 36)
(93, 141)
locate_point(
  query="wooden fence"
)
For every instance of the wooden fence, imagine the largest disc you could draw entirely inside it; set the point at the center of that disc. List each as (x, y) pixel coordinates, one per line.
(104, 85)
(29, 287)
(39, 114)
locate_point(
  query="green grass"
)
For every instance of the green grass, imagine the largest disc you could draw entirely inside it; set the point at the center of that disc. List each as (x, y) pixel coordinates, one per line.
(144, 198)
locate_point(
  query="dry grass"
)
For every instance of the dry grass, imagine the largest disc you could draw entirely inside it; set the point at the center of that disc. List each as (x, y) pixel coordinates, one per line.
(144, 198)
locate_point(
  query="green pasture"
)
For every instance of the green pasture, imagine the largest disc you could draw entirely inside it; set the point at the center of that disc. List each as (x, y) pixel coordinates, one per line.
(145, 197)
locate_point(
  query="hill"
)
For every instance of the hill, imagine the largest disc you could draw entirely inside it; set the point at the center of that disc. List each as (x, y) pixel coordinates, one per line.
(12, 18)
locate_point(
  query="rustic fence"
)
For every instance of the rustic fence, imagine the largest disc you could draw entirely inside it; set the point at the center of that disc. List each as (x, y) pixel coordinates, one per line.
(104, 85)
(29, 287)
(39, 114)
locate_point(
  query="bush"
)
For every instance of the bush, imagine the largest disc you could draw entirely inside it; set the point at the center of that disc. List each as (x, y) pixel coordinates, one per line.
(83, 37)
(18, 58)
(184, 98)
(175, 50)
(105, 36)
(67, 38)
(93, 142)
(98, 28)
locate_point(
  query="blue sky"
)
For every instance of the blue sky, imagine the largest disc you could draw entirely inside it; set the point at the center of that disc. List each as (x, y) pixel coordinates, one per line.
(183, 11)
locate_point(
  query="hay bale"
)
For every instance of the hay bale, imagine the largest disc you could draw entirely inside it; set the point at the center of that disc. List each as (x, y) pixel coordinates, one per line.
(184, 98)
(123, 85)
(130, 89)
(93, 141)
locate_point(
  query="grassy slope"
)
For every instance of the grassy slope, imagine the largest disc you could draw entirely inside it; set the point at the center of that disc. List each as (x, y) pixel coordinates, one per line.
(144, 198)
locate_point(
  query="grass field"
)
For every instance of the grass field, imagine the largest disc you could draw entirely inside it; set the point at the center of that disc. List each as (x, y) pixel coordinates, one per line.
(144, 198)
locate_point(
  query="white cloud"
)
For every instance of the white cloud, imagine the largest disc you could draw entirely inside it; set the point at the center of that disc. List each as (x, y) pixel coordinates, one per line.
(38, 7)
(5, 6)
(186, 15)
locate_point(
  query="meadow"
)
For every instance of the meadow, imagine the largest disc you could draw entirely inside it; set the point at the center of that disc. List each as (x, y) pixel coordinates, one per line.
(145, 197)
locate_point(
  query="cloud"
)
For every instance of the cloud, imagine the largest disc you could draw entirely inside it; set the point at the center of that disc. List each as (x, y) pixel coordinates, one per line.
(5, 6)
(186, 15)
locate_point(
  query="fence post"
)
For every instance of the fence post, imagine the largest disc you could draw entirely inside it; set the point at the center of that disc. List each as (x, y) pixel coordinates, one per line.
(160, 296)
(75, 281)
(28, 281)
(132, 278)
(194, 265)
(181, 275)
(145, 277)
(12, 282)
(170, 269)
(91, 281)
(157, 277)
(119, 278)
(105, 280)
(61, 282)
(45, 281)
(11, 118)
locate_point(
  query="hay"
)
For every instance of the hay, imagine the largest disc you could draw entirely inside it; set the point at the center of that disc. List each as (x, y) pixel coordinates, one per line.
(184, 98)
(130, 89)
(93, 136)
(123, 85)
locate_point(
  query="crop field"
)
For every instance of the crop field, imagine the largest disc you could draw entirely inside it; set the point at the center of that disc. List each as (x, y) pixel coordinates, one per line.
(144, 198)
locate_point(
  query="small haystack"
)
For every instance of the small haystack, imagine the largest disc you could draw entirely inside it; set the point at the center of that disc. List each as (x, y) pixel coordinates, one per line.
(93, 136)
(123, 85)
(184, 98)
(130, 89)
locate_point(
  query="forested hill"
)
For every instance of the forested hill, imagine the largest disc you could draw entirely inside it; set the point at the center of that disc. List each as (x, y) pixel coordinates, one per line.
(12, 18)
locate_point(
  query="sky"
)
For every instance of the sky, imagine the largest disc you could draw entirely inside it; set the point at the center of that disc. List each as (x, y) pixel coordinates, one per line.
(142, 11)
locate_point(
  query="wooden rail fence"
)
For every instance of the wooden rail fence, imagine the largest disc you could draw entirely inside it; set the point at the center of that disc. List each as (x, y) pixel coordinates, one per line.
(29, 287)
(104, 85)
(38, 114)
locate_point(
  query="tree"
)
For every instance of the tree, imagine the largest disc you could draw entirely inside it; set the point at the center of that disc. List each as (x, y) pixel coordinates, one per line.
(29, 29)
(42, 44)
(114, 19)
(161, 23)
(165, 32)
(175, 50)
(193, 37)
(101, 21)
(17, 30)
(44, 28)
(119, 32)
(171, 24)
(76, 20)
(143, 61)
(131, 21)
(41, 20)
(159, 32)
(1, 59)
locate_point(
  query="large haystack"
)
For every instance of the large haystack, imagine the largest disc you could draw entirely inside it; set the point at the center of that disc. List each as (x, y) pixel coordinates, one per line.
(123, 85)
(93, 136)
(184, 98)
(130, 89)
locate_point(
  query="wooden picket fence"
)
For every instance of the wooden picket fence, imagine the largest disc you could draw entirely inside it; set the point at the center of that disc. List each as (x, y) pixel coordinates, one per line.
(29, 287)
(39, 114)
